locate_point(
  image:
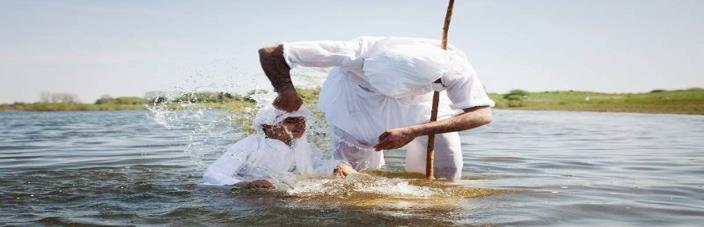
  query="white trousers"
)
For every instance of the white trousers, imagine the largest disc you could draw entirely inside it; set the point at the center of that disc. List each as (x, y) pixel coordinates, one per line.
(448, 161)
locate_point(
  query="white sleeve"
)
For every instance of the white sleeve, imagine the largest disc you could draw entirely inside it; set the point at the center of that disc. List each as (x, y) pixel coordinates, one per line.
(225, 168)
(323, 167)
(466, 91)
(322, 53)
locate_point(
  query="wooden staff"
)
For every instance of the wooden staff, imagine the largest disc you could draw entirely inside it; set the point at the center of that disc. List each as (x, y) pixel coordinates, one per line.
(429, 173)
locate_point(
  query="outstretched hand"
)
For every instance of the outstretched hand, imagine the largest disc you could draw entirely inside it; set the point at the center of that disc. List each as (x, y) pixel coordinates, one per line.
(288, 100)
(394, 138)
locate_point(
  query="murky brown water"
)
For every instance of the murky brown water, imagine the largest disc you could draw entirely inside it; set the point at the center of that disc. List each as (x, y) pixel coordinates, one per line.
(527, 168)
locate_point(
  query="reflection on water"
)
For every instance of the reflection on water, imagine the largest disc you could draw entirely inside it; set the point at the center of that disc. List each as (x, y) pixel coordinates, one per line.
(526, 168)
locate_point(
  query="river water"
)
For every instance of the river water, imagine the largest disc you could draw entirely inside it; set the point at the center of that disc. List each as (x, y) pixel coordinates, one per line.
(526, 168)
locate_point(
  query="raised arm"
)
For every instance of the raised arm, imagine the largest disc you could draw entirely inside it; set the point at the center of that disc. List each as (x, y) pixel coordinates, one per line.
(469, 119)
(278, 72)
(277, 64)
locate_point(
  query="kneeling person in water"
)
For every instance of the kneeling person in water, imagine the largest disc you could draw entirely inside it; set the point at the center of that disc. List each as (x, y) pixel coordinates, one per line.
(278, 149)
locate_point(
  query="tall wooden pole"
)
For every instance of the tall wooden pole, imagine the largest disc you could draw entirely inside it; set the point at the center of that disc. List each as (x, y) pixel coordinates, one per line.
(429, 171)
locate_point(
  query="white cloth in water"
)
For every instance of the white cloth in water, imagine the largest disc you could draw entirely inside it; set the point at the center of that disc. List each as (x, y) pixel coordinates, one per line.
(270, 115)
(257, 157)
(375, 85)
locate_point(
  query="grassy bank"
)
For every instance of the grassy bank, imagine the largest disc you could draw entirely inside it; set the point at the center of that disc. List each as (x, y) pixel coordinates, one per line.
(44, 107)
(689, 101)
(38, 107)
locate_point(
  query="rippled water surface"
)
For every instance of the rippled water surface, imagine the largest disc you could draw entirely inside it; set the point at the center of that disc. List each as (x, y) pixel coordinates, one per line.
(526, 168)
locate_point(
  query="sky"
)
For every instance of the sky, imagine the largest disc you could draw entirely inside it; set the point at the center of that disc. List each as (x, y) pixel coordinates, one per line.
(126, 48)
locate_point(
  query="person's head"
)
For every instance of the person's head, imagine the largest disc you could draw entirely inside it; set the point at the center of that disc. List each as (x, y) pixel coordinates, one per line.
(281, 125)
(289, 129)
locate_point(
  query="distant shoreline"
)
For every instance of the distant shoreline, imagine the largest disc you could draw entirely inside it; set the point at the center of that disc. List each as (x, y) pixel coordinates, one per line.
(688, 101)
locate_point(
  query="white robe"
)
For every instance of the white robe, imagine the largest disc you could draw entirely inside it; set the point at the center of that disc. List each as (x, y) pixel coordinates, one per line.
(256, 157)
(359, 112)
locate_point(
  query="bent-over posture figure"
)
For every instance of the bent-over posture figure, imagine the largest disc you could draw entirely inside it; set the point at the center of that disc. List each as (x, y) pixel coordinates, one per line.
(378, 96)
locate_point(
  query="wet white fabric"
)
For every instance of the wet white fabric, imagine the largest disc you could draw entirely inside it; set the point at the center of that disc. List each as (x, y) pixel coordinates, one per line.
(395, 68)
(359, 110)
(257, 157)
(269, 115)
(448, 161)
(360, 156)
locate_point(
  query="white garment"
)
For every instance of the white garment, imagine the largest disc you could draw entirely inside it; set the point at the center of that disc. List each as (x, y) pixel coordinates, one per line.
(359, 110)
(257, 157)
(270, 115)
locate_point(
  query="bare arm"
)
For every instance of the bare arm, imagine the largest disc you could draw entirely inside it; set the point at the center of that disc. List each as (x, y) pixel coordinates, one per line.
(275, 67)
(399, 137)
(471, 118)
(278, 72)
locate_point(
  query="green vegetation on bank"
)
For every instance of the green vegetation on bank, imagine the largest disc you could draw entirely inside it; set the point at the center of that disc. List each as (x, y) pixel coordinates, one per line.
(39, 107)
(218, 100)
(688, 101)
(119, 100)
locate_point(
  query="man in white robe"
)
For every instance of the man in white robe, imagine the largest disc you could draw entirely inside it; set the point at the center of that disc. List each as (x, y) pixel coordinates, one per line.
(378, 96)
(278, 150)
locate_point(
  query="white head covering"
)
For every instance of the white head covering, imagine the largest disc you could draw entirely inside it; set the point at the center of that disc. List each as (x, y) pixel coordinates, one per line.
(270, 115)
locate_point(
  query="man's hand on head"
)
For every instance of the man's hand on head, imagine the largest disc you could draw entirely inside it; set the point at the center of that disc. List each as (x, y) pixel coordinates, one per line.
(288, 100)
(278, 72)
(395, 138)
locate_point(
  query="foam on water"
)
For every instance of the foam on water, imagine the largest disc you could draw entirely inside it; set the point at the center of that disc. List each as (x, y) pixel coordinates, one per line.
(373, 191)
(359, 183)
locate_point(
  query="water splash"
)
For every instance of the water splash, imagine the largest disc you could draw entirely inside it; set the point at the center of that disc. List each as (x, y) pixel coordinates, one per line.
(207, 125)
(359, 183)
(370, 190)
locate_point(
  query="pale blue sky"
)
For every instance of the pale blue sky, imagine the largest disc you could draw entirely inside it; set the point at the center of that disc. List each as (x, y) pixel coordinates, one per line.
(129, 47)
